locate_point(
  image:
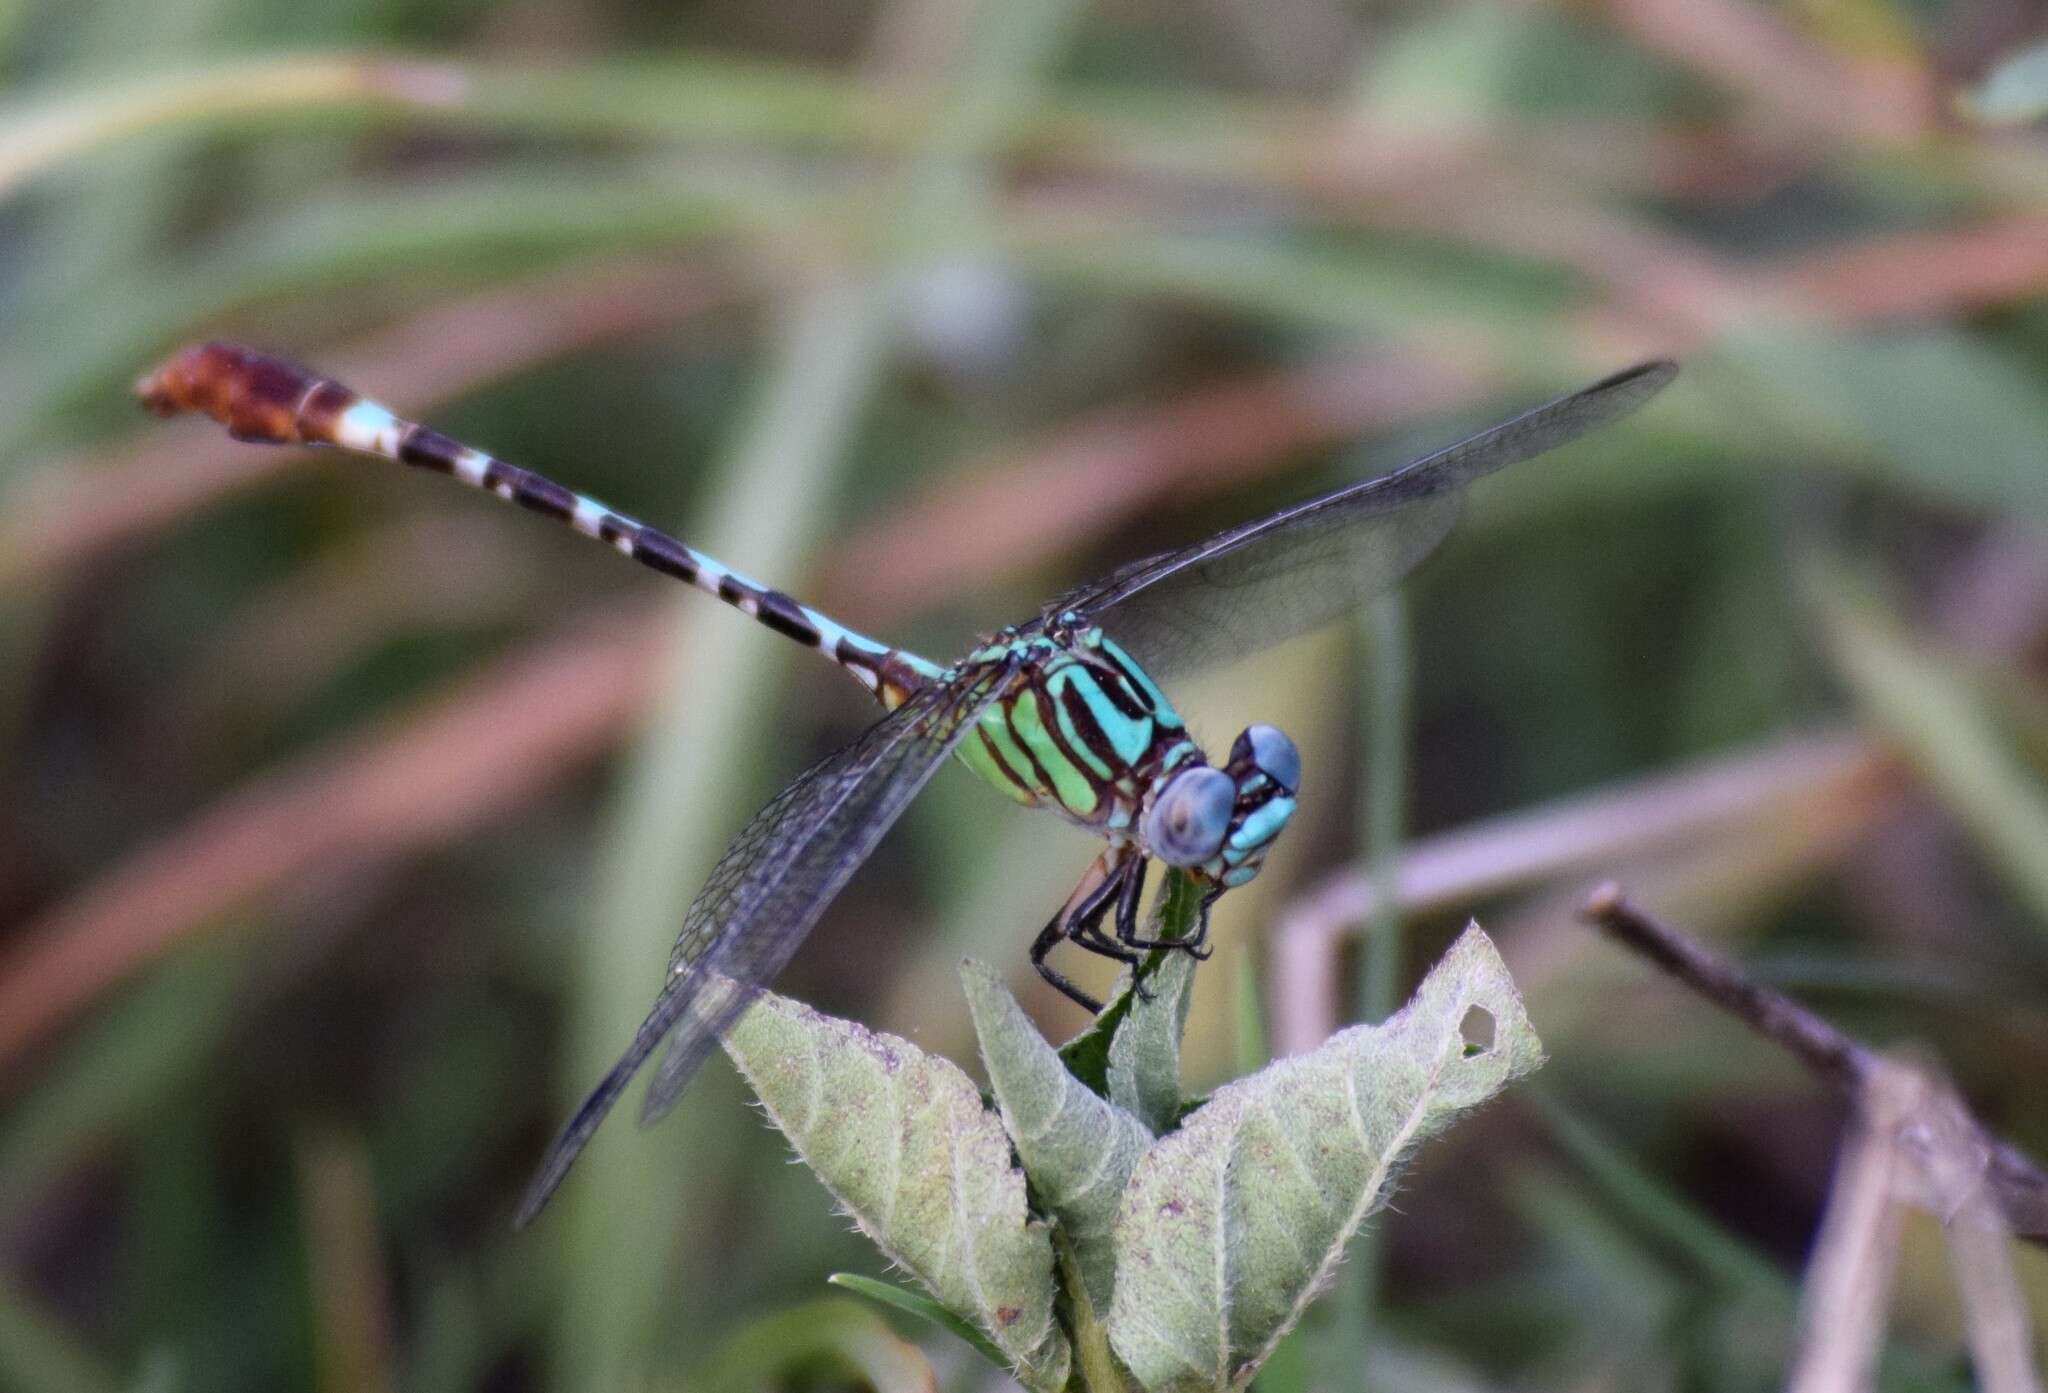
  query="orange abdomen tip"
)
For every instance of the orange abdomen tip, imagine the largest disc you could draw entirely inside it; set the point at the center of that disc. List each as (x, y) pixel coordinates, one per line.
(255, 395)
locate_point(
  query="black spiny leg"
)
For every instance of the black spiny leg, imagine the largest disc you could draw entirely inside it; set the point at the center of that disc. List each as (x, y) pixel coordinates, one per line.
(1050, 937)
(1085, 925)
(1195, 945)
(1077, 920)
(1127, 904)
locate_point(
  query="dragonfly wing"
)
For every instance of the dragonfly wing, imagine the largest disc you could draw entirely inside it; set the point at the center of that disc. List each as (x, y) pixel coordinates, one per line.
(767, 893)
(1299, 568)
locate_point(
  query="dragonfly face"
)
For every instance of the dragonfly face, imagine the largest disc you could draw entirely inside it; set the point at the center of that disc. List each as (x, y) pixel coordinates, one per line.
(1220, 823)
(1265, 771)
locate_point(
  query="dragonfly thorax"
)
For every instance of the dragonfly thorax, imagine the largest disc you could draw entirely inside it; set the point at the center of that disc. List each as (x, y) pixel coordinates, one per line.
(1087, 733)
(1083, 731)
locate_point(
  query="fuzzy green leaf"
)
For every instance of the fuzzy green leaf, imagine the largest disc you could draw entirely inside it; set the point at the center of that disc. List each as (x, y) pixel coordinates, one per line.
(1233, 1223)
(1078, 1149)
(1176, 911)
(1144, 1054)
(902, 1141)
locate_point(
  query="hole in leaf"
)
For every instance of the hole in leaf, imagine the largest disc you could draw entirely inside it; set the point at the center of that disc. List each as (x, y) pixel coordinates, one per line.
(1477, 1028)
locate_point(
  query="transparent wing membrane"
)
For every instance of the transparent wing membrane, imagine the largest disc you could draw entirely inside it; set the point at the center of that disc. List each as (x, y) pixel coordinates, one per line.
(769, 890)
(1302, 567)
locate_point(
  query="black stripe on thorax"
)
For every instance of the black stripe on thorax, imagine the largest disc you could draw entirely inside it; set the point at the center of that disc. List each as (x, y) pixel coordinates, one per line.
(1057, 733)
(1088, 728)
(1043, 784)
(1126, 693)
(995, 755)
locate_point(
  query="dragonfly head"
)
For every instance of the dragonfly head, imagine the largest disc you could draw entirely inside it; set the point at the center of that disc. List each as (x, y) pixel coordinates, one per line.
(1265, 775)
(1220, 822)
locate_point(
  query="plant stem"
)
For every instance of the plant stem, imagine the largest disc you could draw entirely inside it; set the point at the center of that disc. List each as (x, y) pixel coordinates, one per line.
(1388, 674)
(1095, 1364)
(1383, 813)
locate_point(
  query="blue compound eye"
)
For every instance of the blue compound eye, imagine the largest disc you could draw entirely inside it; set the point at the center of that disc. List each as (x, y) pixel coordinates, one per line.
(1272, 753)
(1190, 816)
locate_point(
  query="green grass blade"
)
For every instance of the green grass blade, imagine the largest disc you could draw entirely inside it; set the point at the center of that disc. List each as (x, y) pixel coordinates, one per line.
(1926, 705)
(35, 1353)
(1388, 668)
(701, 751)
(924, 1308)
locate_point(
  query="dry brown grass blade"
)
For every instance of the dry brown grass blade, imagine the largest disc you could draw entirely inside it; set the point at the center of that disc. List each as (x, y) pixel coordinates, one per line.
(70, 513)
(1846, 1296)
(1749, 50)
(1822, 789)
(495, 738)
(1665, 293)
(1921, 273)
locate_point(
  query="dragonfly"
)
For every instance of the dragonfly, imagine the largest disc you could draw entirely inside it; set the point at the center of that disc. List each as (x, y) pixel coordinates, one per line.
(1062, 711)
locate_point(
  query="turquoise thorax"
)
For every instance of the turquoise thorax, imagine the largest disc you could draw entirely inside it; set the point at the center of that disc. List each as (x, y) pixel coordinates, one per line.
(1084, 735)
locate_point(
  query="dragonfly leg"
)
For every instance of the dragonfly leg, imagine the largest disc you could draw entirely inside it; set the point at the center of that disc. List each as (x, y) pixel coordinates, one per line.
(1084, 926)
(1115, 879)
(1050, 937)
(1195, 945)
(1127, 904)
(1075, 920)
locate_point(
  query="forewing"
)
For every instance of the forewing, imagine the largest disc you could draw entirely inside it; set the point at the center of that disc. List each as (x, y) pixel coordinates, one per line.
(767, 893)
(1299, 568)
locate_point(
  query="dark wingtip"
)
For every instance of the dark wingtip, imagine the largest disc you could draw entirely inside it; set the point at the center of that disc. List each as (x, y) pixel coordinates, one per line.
(570, 1141)
(554, 1168)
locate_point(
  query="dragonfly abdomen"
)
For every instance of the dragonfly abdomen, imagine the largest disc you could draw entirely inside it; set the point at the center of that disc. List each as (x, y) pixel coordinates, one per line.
(268, 400)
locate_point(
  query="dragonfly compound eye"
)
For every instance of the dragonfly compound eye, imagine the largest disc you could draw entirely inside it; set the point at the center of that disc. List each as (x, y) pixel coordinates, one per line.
(1268, 750)
(1190, 816)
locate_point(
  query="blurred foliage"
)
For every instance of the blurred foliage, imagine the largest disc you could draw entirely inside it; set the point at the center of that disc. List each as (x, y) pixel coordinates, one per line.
(347, 818)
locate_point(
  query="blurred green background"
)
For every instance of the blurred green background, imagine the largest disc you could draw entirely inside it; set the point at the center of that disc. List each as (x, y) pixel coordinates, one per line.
(347, 817)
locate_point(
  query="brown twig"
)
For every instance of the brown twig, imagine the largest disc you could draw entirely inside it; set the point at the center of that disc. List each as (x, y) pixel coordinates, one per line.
(1910, 1142)
(1840, 1060)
